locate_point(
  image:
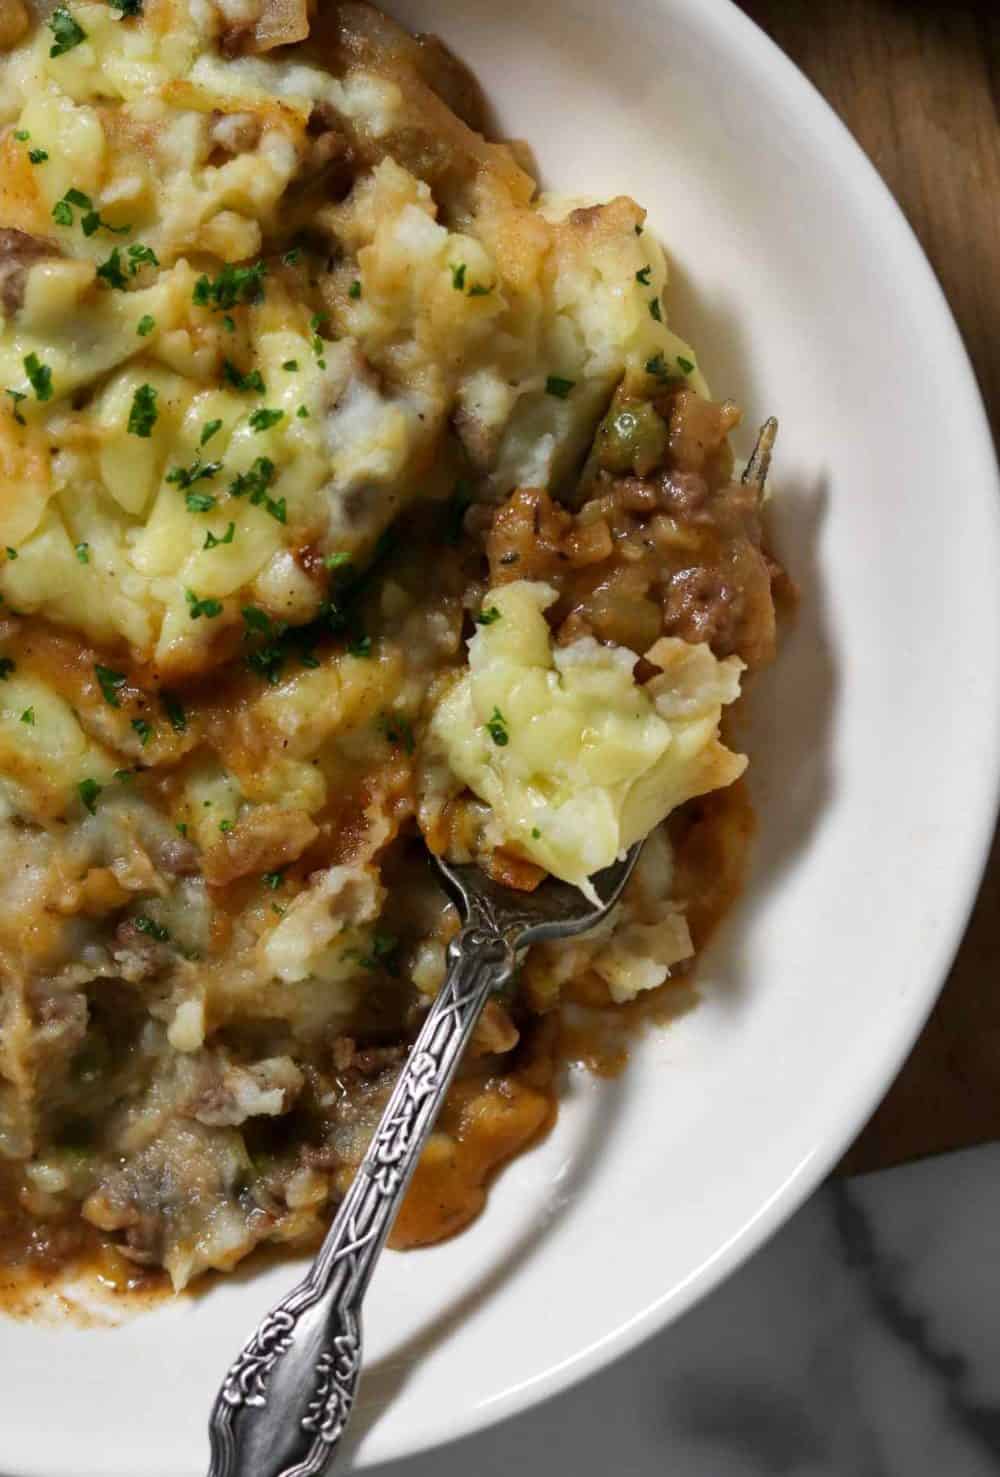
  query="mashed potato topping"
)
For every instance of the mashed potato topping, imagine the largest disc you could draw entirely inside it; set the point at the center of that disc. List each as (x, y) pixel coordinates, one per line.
(576, 759)
(355, 498)
(183, 338)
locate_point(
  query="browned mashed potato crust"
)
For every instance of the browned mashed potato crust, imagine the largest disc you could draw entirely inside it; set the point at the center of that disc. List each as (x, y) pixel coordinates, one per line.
(162, 1102)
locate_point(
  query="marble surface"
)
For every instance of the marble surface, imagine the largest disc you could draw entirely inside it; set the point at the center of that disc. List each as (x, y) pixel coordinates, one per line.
(863, 1341)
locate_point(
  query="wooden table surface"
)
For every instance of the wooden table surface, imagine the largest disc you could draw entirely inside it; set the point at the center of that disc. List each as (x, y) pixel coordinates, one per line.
(918, 84)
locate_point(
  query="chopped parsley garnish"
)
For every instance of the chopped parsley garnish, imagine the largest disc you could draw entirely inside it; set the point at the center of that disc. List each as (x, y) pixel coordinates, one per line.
(199, 502)
(93, 221)
(291, 257)
(127, 7)
(89, 790)
(62, 211)
(212, 542)
(181, 828)
(497, 729)
(17, 396)
(141, 256)
(144, 924)
(658, 366)
(479, 289)
(77, 197)
(302, 413)
(22, 135)
(37, 156)
(266, 660)
(560, 388)
(458, 276)
(198, 608)
(240, 381)
(263, 420)
(354, 290)
(384, 945)
(39, 377)
(643, 276)
(536, 833)
(174, 710)
(225, 827)
(685, 364)
(142, 417)
(362, 647)
(111, 271)
(65, 32)
(109, 682)
(337, 561)
(655, 311)
(11, 553)
(229, 324)
(145, 325)
(7, 665)
(337, 616)
(487, 617)
(208, 430)
(316, 322)
(273, 880)
(234, 285)
(291, 365)
(144, 729)
(198, 471)
(254, 485)
(398, 730)
(28, 717)
(82, 552)
(258, 622)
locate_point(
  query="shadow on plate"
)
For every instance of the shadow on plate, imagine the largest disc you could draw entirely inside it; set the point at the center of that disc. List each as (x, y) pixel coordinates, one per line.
(385, 1378)
(786, 721)
(786, 727)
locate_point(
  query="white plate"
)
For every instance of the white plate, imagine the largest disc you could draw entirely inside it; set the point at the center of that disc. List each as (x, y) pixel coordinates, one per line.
(875, 758)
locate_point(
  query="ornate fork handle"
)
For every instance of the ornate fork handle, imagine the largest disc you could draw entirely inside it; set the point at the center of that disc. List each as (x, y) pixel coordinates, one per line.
(288, 1396)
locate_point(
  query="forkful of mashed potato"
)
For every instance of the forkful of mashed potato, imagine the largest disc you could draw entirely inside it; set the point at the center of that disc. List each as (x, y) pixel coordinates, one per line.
(575, 759)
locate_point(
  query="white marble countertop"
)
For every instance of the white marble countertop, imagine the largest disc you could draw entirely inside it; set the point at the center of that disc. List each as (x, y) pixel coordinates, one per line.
(864, 1341)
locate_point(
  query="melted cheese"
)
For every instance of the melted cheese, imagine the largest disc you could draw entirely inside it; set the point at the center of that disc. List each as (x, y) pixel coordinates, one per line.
(576, 760)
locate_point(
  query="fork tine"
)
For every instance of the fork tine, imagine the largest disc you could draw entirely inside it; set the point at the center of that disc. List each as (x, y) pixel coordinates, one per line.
(760, 462)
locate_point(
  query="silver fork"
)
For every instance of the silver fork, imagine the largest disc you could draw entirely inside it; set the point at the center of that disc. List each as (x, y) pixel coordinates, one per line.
(286, 1400)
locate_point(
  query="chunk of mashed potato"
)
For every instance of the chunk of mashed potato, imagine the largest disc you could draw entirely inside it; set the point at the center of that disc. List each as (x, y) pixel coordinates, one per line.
(577, 760)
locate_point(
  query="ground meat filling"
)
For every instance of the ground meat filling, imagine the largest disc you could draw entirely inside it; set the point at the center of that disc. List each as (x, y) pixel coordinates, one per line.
(677, 552)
